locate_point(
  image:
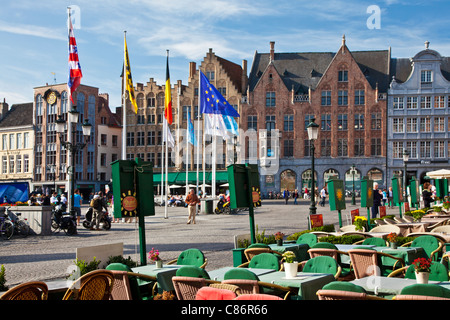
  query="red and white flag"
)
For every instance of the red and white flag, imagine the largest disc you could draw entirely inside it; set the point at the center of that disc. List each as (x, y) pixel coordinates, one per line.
(74, 64)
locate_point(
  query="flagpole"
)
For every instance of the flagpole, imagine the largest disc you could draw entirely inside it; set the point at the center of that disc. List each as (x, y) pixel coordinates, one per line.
(187, 152)
(124, 108)
(167, 156)
(69, 135)
(198, 132)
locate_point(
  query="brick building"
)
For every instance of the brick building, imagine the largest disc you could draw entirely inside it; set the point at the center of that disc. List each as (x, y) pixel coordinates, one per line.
(344, 91)
(145, 129)
(51, 160)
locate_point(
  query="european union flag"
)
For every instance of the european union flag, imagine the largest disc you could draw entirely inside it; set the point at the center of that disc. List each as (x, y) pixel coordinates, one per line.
(212, 101)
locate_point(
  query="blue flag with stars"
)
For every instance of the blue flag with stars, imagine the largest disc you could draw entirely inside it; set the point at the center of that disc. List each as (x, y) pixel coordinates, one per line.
(212, 101)
(191, 134)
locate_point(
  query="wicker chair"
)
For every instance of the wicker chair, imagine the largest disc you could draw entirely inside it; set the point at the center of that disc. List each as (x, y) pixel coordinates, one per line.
(186, 288)
(408, 218)
(34, 290)
(340, 290)
(430, 244)
(249, 283)
(438, 272)
(308, 238)
(321, 264)
(212, 293)
(259, 296)
(329, 249)
(443, 229)
(126, 289)
(191, 256)
(379, 242)
(423, 292)
(386, 228)
(350, 227)
(251, 252)
(366, 262)
(263, 261)
(95, 285)
(390, 221)
(380, 222)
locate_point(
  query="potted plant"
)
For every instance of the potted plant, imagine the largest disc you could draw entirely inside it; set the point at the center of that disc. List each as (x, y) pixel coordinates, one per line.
(360, 222)
(392, 238)
(422, 266)
(290, 265)
(153, 255)
(279, 238)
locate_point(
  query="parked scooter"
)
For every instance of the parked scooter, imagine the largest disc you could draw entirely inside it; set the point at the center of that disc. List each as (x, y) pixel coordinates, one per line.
(223, 206)
(105, 221)
(63, 220)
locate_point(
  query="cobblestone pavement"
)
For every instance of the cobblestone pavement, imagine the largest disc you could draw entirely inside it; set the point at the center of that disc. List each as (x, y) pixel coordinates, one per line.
(48, 257)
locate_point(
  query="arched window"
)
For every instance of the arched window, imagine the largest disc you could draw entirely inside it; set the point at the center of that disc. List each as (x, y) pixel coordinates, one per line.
(306, 179)
(376, 175)
(288, 180)
(349, 177)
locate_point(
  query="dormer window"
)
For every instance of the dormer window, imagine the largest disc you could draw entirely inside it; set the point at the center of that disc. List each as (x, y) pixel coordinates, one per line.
(425, 76)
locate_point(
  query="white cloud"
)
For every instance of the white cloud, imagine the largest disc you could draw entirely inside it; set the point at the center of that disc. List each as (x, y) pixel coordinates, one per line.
(32, 30)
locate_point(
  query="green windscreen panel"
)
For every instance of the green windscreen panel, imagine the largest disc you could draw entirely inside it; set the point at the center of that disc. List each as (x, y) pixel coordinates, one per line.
(366, 192)
(397, 189)
(336, 192)
(237, 180)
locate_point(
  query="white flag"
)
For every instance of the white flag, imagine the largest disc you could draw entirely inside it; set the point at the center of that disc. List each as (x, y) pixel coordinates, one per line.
(170, 141)
(215, 125)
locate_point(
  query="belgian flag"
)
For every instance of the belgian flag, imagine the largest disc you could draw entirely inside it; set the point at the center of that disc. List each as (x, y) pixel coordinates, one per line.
(168, 95)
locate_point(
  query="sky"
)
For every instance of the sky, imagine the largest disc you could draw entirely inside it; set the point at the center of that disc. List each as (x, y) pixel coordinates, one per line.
(34, 36)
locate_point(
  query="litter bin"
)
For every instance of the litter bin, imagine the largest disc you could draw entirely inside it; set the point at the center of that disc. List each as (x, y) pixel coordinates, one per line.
(208, 206)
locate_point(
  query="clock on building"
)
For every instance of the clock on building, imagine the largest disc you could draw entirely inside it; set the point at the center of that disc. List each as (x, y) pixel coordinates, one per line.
(51, 98)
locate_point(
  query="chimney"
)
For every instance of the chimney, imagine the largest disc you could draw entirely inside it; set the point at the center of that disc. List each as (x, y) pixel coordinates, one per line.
(272, 51)
(192, 70)
(3, 108)
(244, 76)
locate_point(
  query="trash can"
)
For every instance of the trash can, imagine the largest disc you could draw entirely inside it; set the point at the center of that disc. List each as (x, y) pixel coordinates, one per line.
(208, 206)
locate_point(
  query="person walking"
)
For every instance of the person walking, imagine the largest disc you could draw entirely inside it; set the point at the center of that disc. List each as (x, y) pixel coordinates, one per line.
(98, 206)
(295, 196)
(77, 205)
(390, 197)
(385, 197)
(377, 196)
(323, 196)
(427, 195)
(192, 200)
(286, 195)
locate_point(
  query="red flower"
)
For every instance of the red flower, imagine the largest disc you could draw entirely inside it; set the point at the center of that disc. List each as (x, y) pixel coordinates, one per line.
(422, 265)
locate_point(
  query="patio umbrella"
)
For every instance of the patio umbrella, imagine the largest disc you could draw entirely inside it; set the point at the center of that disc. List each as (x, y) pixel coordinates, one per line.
(175, 186)
(225, 185)
(439, 174)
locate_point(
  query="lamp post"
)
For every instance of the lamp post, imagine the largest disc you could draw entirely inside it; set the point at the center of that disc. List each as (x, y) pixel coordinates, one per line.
(52, 168)
(353, 193)
(73, 147)
(313, 132)
(405, 160)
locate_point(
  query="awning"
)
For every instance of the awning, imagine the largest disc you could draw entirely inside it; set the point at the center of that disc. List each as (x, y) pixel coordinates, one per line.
(439, 174)
(180, 177)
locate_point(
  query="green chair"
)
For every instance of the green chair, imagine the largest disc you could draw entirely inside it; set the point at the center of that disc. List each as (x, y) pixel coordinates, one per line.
(193, 257)
(263, 261)
(249, 282)
(309, 238)
(430, 245)
(141, 286)
(259, 245)
(379, 242)
(423, 292)
(341, 290)
(192, 271)
(321, 264)
(438, 272)
(329, 249)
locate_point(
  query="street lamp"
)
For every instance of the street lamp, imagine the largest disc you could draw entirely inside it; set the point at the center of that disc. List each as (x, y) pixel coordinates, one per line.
(313, 132)
(52, 168)
(73, 147)
(353, 169)
(405, 160)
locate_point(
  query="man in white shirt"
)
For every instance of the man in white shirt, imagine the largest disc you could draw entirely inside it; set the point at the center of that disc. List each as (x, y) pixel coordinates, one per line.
(323, 195)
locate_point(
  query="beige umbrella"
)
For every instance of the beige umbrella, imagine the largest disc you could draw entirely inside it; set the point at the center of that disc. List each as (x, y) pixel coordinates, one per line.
(439, 174)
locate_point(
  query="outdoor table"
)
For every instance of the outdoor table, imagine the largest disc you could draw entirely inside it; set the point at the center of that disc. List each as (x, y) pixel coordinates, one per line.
(299, 249)
(219, 274)
(163, 275)
(384, 286)
(410, 227)
(306, 283)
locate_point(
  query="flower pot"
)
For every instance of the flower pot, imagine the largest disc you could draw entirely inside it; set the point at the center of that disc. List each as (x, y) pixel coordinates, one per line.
(291, 269)
(159, 264)
(422, 277)
(279, 242)
(393, 245)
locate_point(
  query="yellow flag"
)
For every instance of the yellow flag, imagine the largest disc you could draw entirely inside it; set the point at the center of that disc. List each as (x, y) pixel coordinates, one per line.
(129, 80)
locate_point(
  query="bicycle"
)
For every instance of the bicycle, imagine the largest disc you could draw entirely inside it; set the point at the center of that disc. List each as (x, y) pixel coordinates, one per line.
(6, 227)
(21, 227)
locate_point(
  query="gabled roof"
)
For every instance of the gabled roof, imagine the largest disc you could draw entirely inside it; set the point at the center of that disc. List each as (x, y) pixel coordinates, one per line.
(401, 68)
(234, 71)
(19, 115)
(305, 69)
